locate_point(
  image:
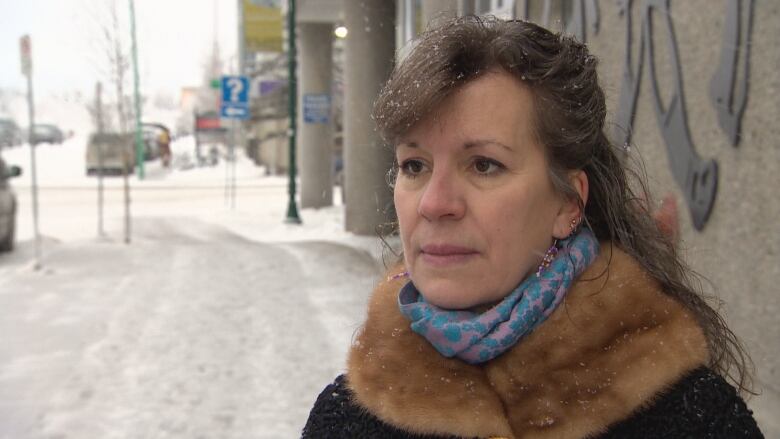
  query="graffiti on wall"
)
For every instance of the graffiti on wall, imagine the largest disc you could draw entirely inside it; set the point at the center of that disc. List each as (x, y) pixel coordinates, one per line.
(728, 88)
(577, 15)
(696, 176)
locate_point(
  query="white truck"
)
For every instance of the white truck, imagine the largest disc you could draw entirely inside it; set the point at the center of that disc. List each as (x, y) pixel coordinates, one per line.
(110, 154)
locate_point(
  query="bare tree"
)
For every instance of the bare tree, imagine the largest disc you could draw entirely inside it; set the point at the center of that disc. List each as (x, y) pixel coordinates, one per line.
(120, 63)
(96, 110)
(208, 98)
(111, 58)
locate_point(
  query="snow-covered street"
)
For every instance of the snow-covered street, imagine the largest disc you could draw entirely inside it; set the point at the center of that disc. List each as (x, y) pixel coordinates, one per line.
(212, 322)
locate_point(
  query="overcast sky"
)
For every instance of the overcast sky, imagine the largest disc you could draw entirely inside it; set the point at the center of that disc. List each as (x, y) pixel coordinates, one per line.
(174, 41)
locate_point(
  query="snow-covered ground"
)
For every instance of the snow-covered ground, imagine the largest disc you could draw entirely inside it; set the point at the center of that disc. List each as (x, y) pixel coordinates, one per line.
(213, 322)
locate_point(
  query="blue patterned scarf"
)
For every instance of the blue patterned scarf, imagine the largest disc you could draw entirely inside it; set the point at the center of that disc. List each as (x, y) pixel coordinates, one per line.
(476, 338)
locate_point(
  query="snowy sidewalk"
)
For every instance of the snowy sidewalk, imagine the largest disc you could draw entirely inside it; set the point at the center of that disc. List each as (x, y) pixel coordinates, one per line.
(190, 332)
(213, 323)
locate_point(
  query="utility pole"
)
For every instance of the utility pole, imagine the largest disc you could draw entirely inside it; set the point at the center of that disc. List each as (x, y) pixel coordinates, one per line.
(243, 125)
(100, 143)
(26, 55)
(99, 107)
(139, 147)
(292, 207)
(241, 38)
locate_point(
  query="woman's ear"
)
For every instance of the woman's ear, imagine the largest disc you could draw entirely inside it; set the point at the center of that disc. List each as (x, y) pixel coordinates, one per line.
(571, 214)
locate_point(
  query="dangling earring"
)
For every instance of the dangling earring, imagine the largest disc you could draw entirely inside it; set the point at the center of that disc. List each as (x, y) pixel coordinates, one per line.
(548, 258)
(398, 275)
(553, 250)
(573, 226)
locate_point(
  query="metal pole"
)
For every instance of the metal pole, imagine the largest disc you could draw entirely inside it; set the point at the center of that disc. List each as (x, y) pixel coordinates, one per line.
(100, 145)
(139, 150)
(233, 167)
(126, 167)
(292, 207)
(241, 37)
(31, 140)
(242, 125)
(226, 194)
(198, 159)
(101, 232)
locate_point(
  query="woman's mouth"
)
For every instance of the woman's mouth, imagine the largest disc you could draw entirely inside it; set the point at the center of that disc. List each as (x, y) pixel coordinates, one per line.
(442, 255)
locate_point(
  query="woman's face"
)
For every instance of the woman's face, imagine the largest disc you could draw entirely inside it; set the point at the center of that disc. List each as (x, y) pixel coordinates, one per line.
(476, 207)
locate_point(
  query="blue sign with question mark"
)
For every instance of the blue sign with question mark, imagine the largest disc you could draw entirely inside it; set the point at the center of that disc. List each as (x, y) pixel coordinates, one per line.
(235, 97)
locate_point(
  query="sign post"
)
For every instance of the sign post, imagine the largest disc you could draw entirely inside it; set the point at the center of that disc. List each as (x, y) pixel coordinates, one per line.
(235, 106)
(25, 50)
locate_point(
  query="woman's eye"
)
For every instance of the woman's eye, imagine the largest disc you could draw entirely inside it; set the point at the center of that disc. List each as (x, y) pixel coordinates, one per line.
(485, 166)
(412, 167)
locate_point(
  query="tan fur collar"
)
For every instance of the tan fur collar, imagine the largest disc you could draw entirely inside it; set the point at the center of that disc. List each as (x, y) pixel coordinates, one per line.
(608, 350)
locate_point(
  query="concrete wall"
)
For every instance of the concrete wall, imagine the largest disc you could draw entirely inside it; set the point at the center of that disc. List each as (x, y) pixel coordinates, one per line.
(273, 148)
(437, 10)
(738, 249)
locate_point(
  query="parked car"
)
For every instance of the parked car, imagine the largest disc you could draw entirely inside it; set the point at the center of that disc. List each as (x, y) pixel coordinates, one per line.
(159, 138)
(110, 154)
(10, 134)
(151, 149)
(46, 133)
(7, 206)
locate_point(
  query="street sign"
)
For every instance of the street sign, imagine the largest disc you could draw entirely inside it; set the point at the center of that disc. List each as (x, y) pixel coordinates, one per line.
(25, 50)
(235, 97)
(316, 108)
(231, 112)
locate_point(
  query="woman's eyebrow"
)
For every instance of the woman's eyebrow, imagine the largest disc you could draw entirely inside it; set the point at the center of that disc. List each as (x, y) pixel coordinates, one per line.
(485, 142)
(408, 144)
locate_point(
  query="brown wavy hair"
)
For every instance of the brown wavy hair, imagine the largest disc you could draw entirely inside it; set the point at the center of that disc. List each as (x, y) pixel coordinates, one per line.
(570, 111)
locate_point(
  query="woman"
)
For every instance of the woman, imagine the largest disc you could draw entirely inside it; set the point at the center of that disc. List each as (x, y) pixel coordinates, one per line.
(536, 298)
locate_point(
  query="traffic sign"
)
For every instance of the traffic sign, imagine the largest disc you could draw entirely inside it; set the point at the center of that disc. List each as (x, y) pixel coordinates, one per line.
(235, 97)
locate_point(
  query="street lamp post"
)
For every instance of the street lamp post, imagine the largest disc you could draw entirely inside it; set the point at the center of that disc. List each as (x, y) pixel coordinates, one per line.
(292, 207)
(139, 148)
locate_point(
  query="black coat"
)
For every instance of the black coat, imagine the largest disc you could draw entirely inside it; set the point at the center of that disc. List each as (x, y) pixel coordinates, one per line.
(701, 405)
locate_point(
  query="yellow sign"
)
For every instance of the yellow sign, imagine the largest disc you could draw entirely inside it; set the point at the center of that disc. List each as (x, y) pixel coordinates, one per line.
(262, 26)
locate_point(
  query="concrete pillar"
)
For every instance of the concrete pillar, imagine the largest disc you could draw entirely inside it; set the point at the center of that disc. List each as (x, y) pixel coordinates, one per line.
(434, 11)
(465, 7)
(368, 59)
(315, 124)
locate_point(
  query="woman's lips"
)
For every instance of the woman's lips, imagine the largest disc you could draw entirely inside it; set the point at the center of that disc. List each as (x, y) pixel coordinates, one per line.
(442, 255)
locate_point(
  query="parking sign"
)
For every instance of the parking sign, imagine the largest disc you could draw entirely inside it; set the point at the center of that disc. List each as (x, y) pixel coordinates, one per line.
(235, 97)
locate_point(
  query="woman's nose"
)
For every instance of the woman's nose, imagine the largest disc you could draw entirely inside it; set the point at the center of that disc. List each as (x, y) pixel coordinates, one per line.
(441, 199)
